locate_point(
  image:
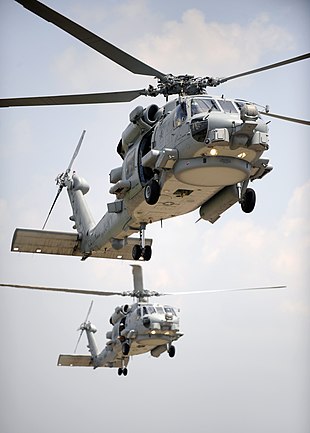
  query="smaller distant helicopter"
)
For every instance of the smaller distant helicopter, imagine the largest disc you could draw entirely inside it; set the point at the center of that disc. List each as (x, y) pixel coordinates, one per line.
(138, 328)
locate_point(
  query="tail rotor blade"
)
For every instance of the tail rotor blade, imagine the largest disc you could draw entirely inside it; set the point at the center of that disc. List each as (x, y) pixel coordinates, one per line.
(89, 310)
(52, 207)
(78, 342)
(61, 178)
(76, 151)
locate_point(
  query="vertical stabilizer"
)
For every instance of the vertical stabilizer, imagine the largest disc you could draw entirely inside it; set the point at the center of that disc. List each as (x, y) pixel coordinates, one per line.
(137, 280)
(82, 217)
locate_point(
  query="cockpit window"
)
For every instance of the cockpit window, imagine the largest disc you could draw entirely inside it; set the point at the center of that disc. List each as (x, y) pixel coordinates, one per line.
(203, 106)
(170, 310)
(148, 309)
(227, 106)
(160, 310)
(180, 114)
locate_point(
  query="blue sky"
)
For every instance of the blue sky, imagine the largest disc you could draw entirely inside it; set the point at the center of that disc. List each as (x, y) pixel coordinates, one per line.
(242, 364)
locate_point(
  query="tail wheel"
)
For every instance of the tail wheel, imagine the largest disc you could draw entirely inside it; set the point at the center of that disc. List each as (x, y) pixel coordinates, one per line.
(152, 192)
(123, 371)
(248, 200)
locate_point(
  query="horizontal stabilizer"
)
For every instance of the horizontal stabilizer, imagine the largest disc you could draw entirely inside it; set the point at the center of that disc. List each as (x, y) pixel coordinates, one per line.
(86, 361)
(66, 244)
(75, 361)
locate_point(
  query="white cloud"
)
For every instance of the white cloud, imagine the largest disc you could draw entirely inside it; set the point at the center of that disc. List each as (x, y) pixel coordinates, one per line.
(193, 45)
(189, 45)
(298, 308)
(281, 250)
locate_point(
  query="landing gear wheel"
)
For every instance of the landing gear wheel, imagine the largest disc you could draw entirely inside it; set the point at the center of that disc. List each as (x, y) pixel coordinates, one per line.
(147, 252)
(152, 192)
(120, 371)
(125, 348)
(248, 200)
(171, 351)
(125, 371)
(136, 252)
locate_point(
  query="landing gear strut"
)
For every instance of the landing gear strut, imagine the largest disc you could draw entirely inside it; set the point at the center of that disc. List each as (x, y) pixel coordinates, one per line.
(142, 250)
(125, 348)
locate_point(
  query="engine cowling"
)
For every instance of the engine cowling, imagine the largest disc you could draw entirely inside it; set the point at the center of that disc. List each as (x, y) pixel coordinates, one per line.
(141, 121)
(119, 313)
(150, 114)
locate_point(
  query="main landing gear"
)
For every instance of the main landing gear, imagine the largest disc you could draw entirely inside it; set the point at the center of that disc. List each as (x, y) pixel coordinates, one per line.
(142, 250)
(247, 198)
(171, 351)
(152, 192)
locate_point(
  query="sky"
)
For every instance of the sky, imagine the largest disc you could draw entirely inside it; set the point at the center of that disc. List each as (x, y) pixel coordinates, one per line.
(242, 364)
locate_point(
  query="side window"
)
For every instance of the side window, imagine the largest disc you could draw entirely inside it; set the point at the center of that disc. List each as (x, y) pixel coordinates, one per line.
(130, 164)
(180, 115)
(227, 106)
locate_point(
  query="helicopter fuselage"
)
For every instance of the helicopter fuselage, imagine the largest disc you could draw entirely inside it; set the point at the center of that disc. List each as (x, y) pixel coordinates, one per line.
(195, 152)
(137, 329)
(198, 151)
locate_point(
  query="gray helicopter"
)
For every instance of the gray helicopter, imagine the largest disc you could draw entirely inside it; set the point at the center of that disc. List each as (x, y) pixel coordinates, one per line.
(136, 329)
(195, 152)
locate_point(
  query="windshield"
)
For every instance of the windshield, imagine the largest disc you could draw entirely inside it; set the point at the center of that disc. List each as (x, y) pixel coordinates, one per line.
(203, 105)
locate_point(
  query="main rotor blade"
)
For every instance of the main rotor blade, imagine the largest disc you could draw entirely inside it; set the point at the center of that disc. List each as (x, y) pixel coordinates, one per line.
(265, 68)
(100, 293)
(64, 290)
(196, 292)
(288, 119)
(93, 41)
(87, 98)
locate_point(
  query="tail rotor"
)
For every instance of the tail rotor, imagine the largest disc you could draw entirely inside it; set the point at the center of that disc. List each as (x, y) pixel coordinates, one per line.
(61, 179)
(82, 327)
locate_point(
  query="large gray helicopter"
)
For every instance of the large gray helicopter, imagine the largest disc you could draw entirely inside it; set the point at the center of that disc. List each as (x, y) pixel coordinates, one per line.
(196, 151)
(136, 329)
